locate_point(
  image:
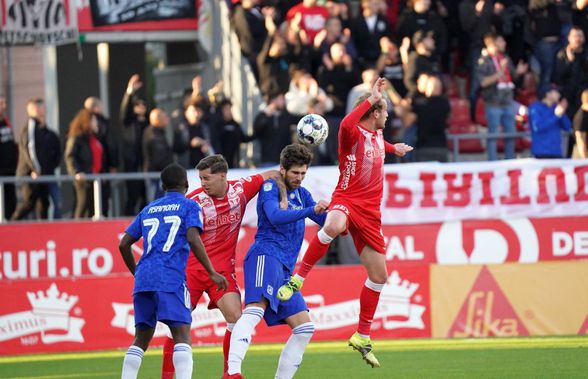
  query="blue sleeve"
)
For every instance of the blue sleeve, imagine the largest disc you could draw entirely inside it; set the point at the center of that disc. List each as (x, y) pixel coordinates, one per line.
(565, 123)
(309, 201)
(194, 216)
(135, 230)
(269, 199)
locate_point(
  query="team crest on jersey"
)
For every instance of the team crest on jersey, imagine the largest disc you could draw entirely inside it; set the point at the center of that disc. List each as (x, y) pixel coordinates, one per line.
(268, 187)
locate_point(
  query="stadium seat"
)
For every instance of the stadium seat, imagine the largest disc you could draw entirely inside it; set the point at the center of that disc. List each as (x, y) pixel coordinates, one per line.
(450, 86)
(460, 112)
(466, 146)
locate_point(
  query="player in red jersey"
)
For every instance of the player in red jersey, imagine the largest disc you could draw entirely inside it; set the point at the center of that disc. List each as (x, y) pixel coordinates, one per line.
(223, 204)
(355, 207)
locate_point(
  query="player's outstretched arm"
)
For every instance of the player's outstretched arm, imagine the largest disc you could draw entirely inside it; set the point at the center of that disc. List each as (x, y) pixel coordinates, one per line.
(400, 149)
(125, 250)
(197, 248)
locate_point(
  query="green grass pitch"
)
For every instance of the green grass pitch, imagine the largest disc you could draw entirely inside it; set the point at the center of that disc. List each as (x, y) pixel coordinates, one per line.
(552, 357)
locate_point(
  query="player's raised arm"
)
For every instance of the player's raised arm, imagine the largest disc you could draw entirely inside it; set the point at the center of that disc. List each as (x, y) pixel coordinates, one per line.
(197, 248)
(355, 115)
(125, 250)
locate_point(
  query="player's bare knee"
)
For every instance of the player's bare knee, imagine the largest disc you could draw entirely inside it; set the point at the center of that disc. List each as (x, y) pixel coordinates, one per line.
(232, 317)
(333, 229)
(379, 277)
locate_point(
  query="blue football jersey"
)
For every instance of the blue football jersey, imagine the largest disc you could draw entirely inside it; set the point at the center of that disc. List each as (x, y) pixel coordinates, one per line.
(280, 232)
(163, 224)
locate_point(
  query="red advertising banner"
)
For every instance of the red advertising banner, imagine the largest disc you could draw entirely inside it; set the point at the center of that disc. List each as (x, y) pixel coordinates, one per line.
(525, 240)
(55, 315)
(77, 249)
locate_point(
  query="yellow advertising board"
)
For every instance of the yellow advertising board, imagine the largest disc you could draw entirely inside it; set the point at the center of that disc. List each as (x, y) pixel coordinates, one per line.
(513, 299)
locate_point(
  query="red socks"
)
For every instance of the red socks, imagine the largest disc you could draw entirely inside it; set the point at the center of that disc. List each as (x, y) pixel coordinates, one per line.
(226, 345)
(316, 250)
(368, 302)
(167, 365)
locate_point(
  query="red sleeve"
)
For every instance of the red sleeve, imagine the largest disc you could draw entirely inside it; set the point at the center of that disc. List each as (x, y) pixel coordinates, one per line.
(355, 115)
(389, 147)
(251, 185)
(193, 194)
(291, 13)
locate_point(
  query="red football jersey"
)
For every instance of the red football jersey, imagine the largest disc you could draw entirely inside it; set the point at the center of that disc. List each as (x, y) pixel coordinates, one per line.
(361, 161)
(222, 221)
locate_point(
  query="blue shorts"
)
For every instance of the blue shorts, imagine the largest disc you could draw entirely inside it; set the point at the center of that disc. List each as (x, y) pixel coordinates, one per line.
(171, 308)
(264, 274)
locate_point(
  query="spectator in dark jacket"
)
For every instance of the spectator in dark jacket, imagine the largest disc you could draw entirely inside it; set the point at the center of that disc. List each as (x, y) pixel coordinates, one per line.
(133, 118)
(581, 127)
(157, 153)
(421, 17)
(194, 136)
(477, 18)
(571, 69)
(274, 127)
(8, 159)
(547, 119)
(337, 76)
(248, 22)
(432, 112)
(231, 135)
(39, 154)
(83, 155)
(273, 62)
(421, 60)
(366, 31)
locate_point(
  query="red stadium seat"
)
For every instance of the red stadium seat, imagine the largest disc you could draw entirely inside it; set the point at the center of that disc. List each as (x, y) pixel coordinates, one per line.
(460, 112)
(466, 146)
(450, 86)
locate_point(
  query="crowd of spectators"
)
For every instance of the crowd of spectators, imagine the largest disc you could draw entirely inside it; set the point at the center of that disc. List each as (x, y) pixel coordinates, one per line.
(451, 66)
(487, 59)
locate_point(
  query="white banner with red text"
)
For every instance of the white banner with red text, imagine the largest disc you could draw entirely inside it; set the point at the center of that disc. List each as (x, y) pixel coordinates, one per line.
(434, 192)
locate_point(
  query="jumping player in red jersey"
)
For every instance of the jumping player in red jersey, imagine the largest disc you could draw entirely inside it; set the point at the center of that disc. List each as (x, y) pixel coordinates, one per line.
(223, 204)
(355, 207)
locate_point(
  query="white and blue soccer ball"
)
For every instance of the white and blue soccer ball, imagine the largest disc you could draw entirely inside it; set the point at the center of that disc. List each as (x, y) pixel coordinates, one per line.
(312, 129)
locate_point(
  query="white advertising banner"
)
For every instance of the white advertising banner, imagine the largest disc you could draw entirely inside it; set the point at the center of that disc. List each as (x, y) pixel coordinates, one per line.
(433, 192)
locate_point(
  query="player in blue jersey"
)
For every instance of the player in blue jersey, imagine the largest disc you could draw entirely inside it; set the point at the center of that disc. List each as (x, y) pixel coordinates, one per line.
(170, 228)
(270, 262)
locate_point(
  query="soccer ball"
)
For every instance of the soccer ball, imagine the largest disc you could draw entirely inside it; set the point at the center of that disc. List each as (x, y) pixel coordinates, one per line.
(312, 129)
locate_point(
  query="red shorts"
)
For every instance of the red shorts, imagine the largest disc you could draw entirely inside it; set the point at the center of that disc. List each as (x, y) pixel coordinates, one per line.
(199, 282)
(364, 225)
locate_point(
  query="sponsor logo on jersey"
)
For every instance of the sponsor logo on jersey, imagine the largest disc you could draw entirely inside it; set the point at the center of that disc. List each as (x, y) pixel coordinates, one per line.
(267, 186)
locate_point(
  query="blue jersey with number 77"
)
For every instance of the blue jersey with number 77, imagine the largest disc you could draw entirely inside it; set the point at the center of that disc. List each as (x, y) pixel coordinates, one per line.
(163, 224)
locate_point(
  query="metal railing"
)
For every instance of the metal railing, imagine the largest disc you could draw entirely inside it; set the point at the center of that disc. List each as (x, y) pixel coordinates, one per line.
(96, 179)
(455, 138)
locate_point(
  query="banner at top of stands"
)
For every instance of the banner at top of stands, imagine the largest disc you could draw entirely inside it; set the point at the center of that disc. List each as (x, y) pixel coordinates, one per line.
(433, 192)
(138, 15)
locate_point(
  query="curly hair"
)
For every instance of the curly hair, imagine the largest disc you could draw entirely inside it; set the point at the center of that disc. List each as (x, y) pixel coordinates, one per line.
(295, 155)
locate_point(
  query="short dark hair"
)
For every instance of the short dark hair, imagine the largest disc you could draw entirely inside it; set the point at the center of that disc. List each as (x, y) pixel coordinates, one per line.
(173, 176)
(295, 155)
(216, 163)
(369, 112)
(35, 100)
